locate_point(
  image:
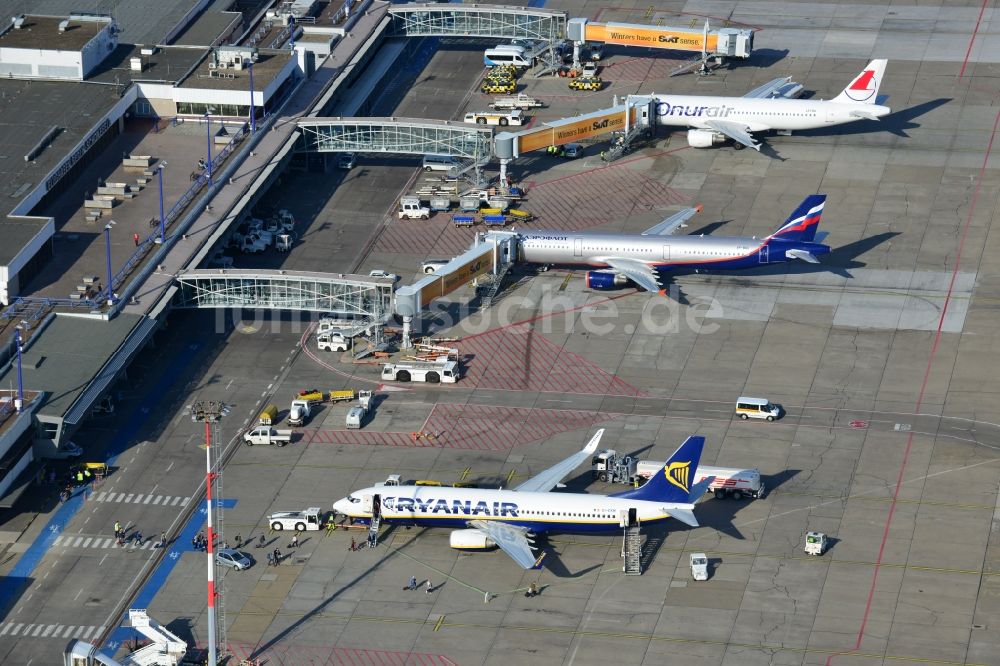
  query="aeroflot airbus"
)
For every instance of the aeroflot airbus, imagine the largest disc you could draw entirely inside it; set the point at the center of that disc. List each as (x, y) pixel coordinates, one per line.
(643, 258)
(715, 119)
(511, 518)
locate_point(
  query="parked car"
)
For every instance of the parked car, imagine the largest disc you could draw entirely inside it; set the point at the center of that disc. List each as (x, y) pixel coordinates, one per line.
(230, 557)
(379, 273)
(431, 265)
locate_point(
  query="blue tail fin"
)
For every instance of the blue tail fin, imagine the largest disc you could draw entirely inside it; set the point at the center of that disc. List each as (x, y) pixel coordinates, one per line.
(673, 482)
(804, 222)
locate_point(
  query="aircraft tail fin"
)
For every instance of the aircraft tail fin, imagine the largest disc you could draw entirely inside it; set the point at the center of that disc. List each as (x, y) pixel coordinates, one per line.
(673, 482)
(864, 88)
(804, 222)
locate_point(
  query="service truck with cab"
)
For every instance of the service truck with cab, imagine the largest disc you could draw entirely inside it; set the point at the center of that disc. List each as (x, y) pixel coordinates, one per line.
(431, 372)
(502, 118)
(308, 520)
(267, 435)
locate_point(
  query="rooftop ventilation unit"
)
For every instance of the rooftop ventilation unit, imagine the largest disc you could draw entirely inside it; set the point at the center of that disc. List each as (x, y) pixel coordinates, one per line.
(63, 25)
(148, 50)
(18, 21)
(135, 64)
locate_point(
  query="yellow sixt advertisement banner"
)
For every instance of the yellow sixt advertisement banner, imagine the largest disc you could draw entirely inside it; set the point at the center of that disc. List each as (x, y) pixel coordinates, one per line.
(446, 284)
(651, 36)
(591, 126)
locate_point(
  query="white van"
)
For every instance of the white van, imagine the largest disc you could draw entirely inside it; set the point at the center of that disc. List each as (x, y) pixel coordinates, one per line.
(507, 55)
(439, 162)
(756, 408)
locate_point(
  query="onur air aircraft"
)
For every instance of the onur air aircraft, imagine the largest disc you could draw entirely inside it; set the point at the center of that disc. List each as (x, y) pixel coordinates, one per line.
(716, 119)
(510, 519)
(644, 258)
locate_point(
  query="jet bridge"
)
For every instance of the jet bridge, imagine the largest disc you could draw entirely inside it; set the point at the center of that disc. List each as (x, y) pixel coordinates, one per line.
(359, 296)
(406, 136)
(451, 20)
(492, 252)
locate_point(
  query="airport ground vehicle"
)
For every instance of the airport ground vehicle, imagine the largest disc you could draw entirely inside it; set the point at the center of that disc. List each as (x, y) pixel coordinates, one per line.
(498, 87)
(589, 70)
(735, 482)
(267, 435)
(309, 520)
(379, 273)
(315, 395)
(519, 101)
(572, 150)
(220, 260)
(283, 243)
(356, 416)
(298, 413)
(816, 543)
(507, 54)
(756, 408)
(439, 162)
(699, 566)
(268, 415)
(412, 208)
(592, 83)
(432, 265)
(431, 372)
(332, 341)
(502, 118)
(230, 557)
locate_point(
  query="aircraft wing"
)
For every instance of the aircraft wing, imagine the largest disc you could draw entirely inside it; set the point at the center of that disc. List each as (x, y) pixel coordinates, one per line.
(640, 273)
(778, 88)
(673, 223)
(511, 540)
(735, 131)
(545, 481)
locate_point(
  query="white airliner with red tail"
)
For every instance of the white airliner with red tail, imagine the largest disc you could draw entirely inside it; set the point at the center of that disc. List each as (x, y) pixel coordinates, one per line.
(714, 120)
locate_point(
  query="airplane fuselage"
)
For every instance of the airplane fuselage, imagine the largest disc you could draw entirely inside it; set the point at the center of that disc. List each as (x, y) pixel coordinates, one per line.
(660, 252)
(760, 114)
(441, 506)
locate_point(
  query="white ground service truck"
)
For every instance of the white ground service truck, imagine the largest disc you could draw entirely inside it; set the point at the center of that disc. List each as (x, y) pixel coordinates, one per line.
(333, 342)
(298, 413)
(518, 101)
(734, 482)
(699, 566)
(356, 416)
(309, 520)
(267, 435)
(431, 372)
(412, 208)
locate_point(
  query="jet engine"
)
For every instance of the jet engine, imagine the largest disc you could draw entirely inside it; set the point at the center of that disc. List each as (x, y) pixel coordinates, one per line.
(470, 540)
(603, 281)
(700, 138)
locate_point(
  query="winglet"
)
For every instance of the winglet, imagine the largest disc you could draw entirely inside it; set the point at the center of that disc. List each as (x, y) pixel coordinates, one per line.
(594, 441)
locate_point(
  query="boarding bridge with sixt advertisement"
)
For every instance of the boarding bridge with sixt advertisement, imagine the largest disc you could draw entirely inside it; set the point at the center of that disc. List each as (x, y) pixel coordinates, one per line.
(628, 120)
(487, 260)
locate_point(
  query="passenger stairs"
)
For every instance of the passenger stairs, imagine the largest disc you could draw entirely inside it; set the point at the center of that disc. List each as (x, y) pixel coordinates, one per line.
(373, 529)
(632, 550)
(624, 143)
(490, 284)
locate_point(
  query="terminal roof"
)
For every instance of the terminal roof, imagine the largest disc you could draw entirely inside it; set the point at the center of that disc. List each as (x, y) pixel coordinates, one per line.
(168, 64)
(64, 357)
(16, 232)
(141, 21)
(42, 32)
(268, 66)
(29, 110)
(207, 28)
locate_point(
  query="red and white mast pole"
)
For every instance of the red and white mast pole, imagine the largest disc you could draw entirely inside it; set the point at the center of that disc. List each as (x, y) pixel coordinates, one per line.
(210, 540)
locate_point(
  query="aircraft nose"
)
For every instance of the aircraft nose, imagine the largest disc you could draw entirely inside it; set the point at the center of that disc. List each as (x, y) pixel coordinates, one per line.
(342, 506)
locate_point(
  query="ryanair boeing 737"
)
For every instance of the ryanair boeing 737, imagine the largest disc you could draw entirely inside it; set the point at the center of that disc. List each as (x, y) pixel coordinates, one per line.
(644, 258)
(510, 519)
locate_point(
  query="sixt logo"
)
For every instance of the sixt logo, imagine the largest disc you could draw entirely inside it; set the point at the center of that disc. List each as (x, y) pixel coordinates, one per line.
(600, 124)
(677, 474)
(669, 39)
(693, 111)
(452, 508)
